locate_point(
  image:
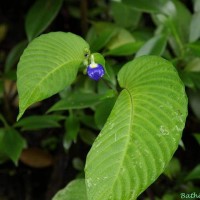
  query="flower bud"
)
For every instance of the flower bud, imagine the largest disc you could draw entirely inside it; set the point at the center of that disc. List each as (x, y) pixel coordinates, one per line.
(95, 71)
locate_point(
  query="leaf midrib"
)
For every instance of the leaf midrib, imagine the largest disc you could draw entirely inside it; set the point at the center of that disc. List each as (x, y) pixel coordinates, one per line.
(128, 139)
(45, 77)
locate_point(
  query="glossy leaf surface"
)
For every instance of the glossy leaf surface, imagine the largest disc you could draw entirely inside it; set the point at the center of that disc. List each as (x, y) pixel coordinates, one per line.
(47, 66)
(142, 132)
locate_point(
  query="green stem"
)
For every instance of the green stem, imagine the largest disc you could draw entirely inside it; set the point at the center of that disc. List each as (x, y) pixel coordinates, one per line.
(3, 121)
(110, 86)
(177, 38)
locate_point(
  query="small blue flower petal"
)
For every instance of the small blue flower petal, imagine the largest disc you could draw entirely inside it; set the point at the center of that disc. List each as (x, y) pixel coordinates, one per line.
(96, 72)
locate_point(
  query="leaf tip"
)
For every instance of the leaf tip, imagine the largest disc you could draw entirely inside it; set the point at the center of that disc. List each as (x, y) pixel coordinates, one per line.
(20, 115)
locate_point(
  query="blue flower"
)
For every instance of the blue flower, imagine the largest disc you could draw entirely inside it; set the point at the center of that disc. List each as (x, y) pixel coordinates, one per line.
(95, 71)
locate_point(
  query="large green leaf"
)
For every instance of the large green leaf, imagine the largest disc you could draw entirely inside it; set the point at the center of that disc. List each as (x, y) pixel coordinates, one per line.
(75, 190)
(40, 16)
(47, 66)
(142, 132)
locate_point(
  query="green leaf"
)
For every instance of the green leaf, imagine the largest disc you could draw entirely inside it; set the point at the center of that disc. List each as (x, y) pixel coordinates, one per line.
(122, 44)
(191, 79)
(196, 5)
(3, 156)
(197, 137)
(78, 164)
(75, 190)
(83, 84)
(110, 79)
(88, 120)
(195, 48)
(181, 144)
(80, 101)
(11, 144)
(172, 19)
(48, 65)
(40, 16)
(14, 55)
(154, 46)
(122, 37)
(103, 111)
(171, 196)
(194, 101)
(193, 65)
(36, 122)
(125, 49)
(146, 6)
(124, 15)
(182, 25)
(87, 136)
(98, 58)
(142, 132)
(194, 27)
(194, 174)
(100, 34)
(173, 168)
(72, 125)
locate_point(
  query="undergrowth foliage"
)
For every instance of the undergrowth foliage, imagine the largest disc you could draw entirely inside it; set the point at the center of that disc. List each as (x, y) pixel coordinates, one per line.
(145, 125)
(119, 88)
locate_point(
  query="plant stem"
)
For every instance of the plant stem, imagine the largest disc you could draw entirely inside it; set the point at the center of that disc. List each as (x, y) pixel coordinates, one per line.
(3, 121)
(110, 86)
